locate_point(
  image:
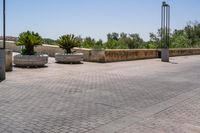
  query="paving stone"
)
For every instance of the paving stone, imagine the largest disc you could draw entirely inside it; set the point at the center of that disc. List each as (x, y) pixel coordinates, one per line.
(90, 96)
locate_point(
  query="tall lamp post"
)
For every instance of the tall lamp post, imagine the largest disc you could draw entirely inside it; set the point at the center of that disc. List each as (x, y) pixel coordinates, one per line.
(2, 49)
(165, 31)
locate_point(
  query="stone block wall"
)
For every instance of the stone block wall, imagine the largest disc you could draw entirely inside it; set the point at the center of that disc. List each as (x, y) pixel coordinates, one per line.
(110, 55)
(92, 55)
(11, 45)
(127, 55)
(48, 49)
(184, 51)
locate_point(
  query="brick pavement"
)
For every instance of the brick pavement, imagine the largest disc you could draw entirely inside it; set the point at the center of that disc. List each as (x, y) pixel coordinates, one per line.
(136, 96)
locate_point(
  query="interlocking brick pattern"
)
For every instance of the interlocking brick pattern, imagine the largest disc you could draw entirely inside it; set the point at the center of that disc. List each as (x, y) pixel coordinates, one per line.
(83, 97)
(182, 118)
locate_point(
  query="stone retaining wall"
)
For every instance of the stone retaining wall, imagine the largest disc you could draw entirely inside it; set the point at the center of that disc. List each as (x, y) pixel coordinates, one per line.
(109, 55)
(127, 55)
(48, 49)
(92, 55)
(11, 46)
(184, 51)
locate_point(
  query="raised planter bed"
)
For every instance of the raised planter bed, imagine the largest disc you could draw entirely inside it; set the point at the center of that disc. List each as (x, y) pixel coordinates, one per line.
(30, 60)
(69, 58)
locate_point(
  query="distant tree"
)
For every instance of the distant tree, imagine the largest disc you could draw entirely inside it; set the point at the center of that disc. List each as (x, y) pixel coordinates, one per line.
(124, 41)
(116, 41)
(49, 41)
(180, 40)
(193, 32)
(154, 41)
(111, 44)
(113, 36)
(123, 35)
(185, 38)
(88, 42)
(135, 41)
(98, 44)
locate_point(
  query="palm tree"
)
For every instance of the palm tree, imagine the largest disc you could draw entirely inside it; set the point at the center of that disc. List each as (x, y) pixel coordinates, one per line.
(29, 40)
(67, 42)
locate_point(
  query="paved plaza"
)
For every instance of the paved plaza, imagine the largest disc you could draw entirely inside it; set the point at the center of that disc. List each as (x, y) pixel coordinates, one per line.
(144, 96)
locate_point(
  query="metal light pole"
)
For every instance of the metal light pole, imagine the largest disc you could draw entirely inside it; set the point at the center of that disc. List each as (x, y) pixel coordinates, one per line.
(165, 31)
(2, 50)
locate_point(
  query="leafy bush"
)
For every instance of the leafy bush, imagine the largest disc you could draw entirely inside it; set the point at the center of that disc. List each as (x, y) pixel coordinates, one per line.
(29, 40)
(88, 42)
(123, 41)
(49, 41)
(98, 44)
(67, 42)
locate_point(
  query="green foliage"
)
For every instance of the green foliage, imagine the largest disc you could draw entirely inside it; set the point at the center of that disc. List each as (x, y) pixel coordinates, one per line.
(154, 42)
(189, 37)
(29, 40)
(98, 45)
(123, 41)
(67, 42)
(151, 45)
(88, 42)
(134, 41)
(49, 41)
(180, 40)
(112, 44)
(192, 31)
(113, 36)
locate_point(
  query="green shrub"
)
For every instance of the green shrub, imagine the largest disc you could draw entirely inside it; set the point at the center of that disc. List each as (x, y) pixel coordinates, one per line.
(88, 42)
(49, 41)
(67, 42)
(29, 40)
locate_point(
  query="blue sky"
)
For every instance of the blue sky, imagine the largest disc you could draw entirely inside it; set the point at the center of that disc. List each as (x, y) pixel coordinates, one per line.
(95, 18)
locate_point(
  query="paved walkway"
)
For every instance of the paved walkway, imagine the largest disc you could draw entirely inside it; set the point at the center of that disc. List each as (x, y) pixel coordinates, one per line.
(145, 96)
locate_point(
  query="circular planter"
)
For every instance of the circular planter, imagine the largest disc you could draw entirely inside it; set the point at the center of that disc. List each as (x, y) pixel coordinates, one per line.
(30, 60)
(69, 58)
